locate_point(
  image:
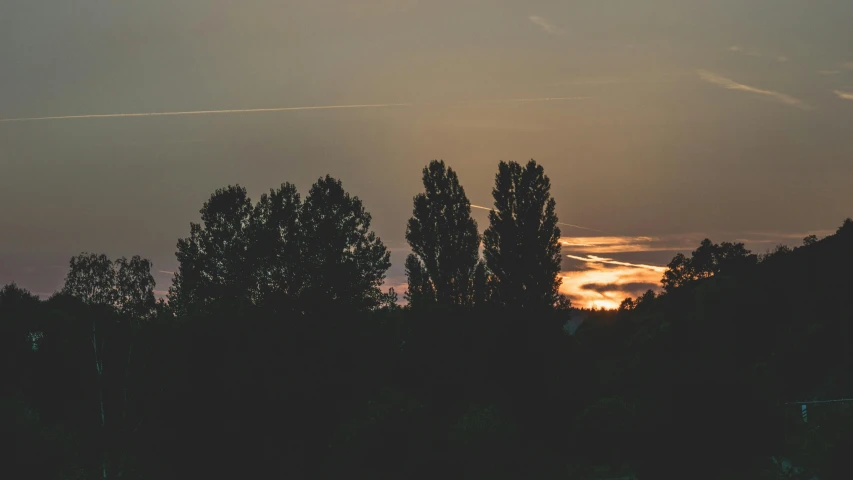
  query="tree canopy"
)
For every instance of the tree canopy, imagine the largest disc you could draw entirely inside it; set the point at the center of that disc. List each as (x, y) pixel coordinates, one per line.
(345, 262)
(315, 255)
(126, 285)
(444, 240)
(522, 243)
(707, 260)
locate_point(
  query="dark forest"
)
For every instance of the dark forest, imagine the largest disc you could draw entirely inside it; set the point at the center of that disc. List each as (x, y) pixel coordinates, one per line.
(278, 354)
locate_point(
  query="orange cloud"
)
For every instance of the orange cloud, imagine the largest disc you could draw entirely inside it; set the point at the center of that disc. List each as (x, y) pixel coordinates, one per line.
(622, 244)
(606, 287)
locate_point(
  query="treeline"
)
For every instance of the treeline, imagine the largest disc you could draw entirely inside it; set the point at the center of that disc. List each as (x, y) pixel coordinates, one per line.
(277, 354)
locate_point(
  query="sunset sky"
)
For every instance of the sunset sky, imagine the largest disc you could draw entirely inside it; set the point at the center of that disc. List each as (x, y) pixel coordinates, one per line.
(659, 122)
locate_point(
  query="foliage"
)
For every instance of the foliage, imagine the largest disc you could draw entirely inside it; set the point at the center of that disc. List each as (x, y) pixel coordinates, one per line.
(126, 285)
(521, 245)
(345, 261)
(444, 239)
(707, 260)
(282, 253)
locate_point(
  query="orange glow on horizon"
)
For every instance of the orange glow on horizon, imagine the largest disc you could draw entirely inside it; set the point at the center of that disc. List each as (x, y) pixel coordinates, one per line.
(607, 282)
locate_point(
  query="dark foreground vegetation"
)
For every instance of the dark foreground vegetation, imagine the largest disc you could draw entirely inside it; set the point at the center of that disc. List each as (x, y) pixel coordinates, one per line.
(278, 356)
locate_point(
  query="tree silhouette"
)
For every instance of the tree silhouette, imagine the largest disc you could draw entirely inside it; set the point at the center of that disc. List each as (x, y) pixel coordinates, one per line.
(135, 287)
(92, 279)
(522, 246)
(276, 246)
(345, 262)
(483, 285)
(443, 236)
(707, 260)
(213, 261)
(125, 285)
(421, 292)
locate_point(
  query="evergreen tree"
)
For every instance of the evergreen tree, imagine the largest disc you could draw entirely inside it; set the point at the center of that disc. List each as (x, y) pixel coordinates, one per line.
(522, 246)
(421, 292)
(443, 237)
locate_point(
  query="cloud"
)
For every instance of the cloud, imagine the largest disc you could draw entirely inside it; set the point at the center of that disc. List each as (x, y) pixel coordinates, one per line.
(606, 286)
(846, 65)
(600, 245)
(593, 279)
(545, 25)
(748, 52)
(843, 95)
(729, 84)
(610, 261)
(781, 59)
(828, 72)
(637, 287)
(558, 223)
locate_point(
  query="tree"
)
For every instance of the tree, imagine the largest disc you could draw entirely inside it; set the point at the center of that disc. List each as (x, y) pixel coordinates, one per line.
(483, 285)
(421, 291)
(92, 279)
(125, 285)
(276, 245)
(345, 262)
(213, 261)
(443, 236)
(135, 287)
(707, 260)
(522, 246)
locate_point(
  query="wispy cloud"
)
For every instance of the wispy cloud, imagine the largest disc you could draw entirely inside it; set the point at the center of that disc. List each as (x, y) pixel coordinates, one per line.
(605, 245)
(558, 223)
(828, 72)
(843, 95)
(592, 277)
(749, 52)
(781, 59)
(730, 84)
(846, 65)
(620, 287)
(545, 25)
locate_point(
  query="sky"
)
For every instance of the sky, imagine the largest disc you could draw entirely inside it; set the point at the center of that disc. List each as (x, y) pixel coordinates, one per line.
(659, 122)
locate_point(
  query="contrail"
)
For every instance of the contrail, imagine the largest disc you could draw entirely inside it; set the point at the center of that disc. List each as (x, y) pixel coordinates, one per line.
(204, 112)
(558, 223)
(597, 259)
(258, 110)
